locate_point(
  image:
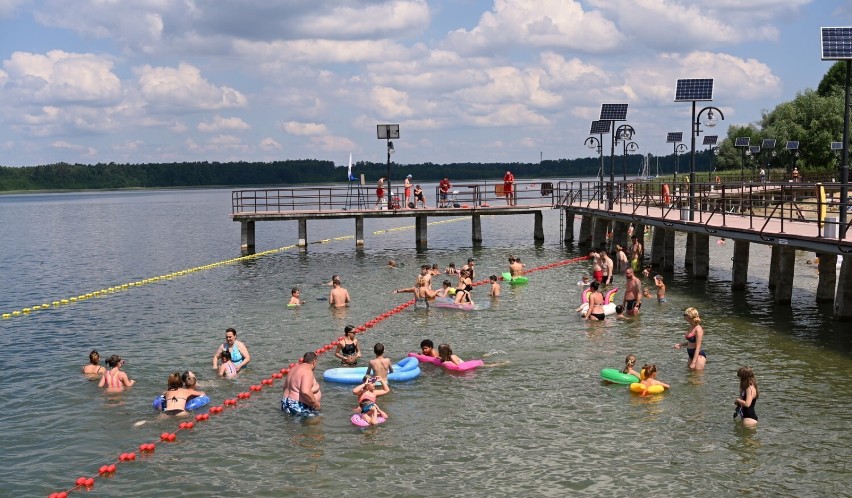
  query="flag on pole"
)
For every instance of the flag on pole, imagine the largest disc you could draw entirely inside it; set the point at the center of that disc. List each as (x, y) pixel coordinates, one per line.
(351, 178)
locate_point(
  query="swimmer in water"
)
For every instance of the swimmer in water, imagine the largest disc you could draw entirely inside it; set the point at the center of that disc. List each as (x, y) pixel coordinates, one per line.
(93, 368)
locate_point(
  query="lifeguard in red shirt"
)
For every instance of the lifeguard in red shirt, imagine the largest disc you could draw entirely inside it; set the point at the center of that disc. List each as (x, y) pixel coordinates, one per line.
(444, 187)
(509, 188)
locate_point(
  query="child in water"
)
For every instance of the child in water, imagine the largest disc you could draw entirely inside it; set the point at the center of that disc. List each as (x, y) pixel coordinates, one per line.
(495, 286)
(367, 393)
(427, 348)
(748, 397)
(94, 368)
(651, 376)
(295, 294)
(628, 366)
(380, 366)
(446, 354)
(227, 368)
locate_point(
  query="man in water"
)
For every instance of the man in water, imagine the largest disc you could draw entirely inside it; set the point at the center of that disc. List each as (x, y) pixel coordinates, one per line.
(636, 254)
(516, 268)
(301, 390)
(633, 294)
(338, 297)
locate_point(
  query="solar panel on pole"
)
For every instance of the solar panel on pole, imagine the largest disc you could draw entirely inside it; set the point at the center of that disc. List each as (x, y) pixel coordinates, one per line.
(754, 149)
(768, 143)
(742, 142)
(599, 127)
(710, 139)
(614, 112)
(674, 137)
(792, 145)
(836, 145)
(691, 90)
(836, 43)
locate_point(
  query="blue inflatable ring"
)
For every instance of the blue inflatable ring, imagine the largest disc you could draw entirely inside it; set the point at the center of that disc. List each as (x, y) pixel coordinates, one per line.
(159, 403)
(407, 369)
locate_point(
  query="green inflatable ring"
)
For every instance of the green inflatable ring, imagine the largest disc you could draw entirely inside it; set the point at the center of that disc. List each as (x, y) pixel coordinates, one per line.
(520, 279)
(615, 376)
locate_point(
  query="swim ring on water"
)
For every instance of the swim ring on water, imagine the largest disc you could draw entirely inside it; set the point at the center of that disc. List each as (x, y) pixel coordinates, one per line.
(360, 422)
(520, 279)
(642, 389)
(450, 304)
(406, 369)
(616, 377)
(607, 295)
(159, 403)
(461, 367)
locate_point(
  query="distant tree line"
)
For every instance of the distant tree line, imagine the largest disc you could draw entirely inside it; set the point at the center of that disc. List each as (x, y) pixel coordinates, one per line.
(63, 176)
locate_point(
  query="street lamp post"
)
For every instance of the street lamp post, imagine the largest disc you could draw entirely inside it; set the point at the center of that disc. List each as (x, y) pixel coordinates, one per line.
(678, 150)
(710, 142)
(624, 133)
(743, 144)
(696, 130)
(593, 143)
(754, 150)
(387, 132)
(630, 147)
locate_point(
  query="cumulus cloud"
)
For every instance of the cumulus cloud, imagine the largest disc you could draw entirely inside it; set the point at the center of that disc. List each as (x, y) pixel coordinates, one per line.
(304, 129)
(82, 149)
(268, 143)
(219, 124)
(543, 23)
(333, 144)
(9, 7)
(183, 88)
(61, 77)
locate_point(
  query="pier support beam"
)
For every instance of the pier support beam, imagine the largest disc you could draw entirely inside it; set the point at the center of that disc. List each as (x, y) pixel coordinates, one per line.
(303, 233)
(690, 252)
(538, 227)
(568, 231)
(773, 266)
(247, 237)
(827, 278)
(668, 250)
(658, 242)
(619, 235)
(476, 229)
(843, 301)
(420, 223)
(701, 256)
(739, 272)
(585, 231)
(599, 232)
(359, 231)
(784, 278)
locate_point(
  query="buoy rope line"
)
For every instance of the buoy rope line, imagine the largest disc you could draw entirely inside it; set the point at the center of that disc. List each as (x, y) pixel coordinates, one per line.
(86, 483)
(169, 276)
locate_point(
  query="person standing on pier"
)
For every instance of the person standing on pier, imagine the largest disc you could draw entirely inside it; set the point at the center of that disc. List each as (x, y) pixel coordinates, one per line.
(509, 188)
(380, 192)
(444, 186)
(407, 186)
(338, 297)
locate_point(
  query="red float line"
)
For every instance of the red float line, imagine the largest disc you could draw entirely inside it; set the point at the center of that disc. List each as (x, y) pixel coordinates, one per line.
(88, 482)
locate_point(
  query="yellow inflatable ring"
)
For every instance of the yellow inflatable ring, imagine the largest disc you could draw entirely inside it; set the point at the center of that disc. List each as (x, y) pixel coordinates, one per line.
(642, 389)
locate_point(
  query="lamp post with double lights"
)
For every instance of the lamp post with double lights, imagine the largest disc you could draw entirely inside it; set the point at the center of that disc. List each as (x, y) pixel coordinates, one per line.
(709, 122)
(388, 132)
(678, 150)
(793, 147)
(694, 90)
(629, 148)
(837, 45)
(624, 133)
(675, 138)
(754, 151)
(710, 142)
(599, 127)
(613, 113)
(594, 143)
(768, 147)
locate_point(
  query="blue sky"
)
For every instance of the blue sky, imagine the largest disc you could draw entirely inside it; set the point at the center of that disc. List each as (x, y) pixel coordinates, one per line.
(467, 81)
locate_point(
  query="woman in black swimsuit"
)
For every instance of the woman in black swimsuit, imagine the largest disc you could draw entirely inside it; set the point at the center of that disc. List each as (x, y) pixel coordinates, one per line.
(348, 350)
(176, 395)
(596, 310)
(748, 397)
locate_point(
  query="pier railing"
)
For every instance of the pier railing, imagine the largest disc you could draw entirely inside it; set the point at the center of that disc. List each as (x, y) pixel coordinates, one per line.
(355, 197)
(808, 209)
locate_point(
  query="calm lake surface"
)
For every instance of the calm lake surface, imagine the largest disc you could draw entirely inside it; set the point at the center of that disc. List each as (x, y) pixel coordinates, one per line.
(537, 422)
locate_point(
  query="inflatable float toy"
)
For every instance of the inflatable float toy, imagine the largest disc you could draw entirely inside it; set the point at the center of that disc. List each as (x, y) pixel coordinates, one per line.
(609, 309)
(616, 377)
(195, 403)
(360, 422)
(643, 390)
(406, 369)
(450, 304)
(520, 279)
(461, 367)
(607, 295)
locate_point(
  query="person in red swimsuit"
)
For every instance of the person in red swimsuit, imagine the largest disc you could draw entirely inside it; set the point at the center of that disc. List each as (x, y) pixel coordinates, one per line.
(508, 188)
(380, 192)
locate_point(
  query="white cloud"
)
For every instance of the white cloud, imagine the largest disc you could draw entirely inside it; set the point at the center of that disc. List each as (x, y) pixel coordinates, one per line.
(268, 143)
(220, 124)
(62, 77)
(543, 23)
(183, 88)
(82, 149)
(9, 7)
(304, 129)
(333, 144)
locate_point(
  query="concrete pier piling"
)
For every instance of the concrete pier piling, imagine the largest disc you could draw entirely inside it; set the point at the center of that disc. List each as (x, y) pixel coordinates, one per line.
(247, 237)
(827, 278)
(585, 231)
(739, 272)
(784, 276)
(568, 229)
(701, 256)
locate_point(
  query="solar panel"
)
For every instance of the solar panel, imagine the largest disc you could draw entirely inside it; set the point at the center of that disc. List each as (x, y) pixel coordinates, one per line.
(836, 43)
(711, 139)
(836, 145)
(742, 142)
(689, 90)
(614, 112)
(599, 127)
(768, 143)
(792, 145)
(754, 149)
(674, 137)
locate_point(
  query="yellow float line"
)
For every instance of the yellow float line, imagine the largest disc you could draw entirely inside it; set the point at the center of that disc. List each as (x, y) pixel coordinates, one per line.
(169, 276)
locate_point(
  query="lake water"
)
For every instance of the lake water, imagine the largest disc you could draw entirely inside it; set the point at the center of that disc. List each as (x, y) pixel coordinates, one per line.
(539, 423)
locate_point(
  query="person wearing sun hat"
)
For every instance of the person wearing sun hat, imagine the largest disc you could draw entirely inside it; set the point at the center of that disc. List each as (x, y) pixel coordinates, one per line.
(407, 199)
